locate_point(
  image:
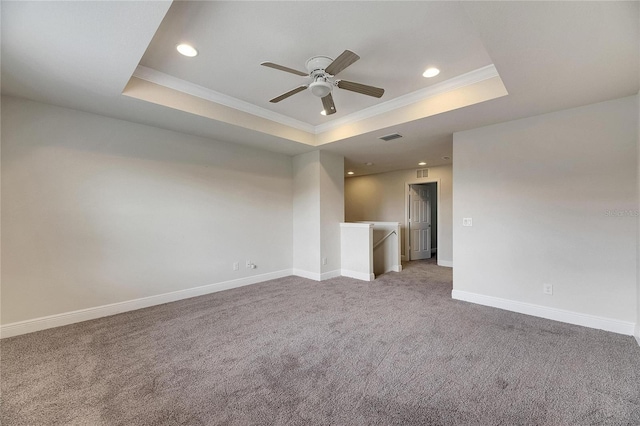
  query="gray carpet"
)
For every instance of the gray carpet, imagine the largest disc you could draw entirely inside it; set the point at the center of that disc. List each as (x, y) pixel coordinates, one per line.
(397, 351)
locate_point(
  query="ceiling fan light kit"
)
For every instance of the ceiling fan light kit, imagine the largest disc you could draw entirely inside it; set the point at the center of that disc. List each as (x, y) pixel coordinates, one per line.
(320, 88)
(321, 70)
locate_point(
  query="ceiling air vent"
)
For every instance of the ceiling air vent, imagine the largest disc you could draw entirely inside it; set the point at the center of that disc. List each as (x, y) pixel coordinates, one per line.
(422, 173)
(390, 137)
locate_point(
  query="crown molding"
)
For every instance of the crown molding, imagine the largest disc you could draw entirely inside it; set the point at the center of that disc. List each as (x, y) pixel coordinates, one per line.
(162, 79)
(454, 83)
(467, 79)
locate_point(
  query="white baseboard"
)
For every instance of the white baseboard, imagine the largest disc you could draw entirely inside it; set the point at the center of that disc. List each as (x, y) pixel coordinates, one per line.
(358, 275)
(637, 334)
(66, 318)
(316, 276)
(330, 274)
(447, 263)
(637, 339)
(394, 268)
(306, 274)
(591, 321)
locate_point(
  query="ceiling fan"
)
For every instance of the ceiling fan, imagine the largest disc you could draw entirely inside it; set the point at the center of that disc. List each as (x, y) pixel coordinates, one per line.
(322, 70)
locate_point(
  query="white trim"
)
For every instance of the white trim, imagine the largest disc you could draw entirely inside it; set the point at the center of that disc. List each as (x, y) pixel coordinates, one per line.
(66, 318)
(325, 276)
(445, 263)
(394, 268)
(331, 274)
(316, 276)
(162, 79)
(467, 79)
(592, 321)
(407, 239)
(356, 225)
(472, 77)
(306, 274)
(637, 339)
(357, 275)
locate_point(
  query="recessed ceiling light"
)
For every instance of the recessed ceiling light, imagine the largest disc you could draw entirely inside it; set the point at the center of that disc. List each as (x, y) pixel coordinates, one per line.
(368, 164)
(349, 172)
(323, 112)
(422, 163)
(187, 50)
(431, 72)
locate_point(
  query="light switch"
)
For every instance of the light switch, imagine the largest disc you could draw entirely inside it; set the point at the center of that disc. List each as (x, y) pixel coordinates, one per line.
(466, 221)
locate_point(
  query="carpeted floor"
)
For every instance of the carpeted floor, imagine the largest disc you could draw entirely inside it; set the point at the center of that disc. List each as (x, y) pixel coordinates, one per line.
(397, 351)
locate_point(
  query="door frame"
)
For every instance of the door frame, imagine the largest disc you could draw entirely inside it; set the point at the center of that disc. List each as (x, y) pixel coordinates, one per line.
(407, 236)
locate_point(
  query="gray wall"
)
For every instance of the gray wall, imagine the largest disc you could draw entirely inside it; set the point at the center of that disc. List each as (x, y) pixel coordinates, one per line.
(381, 197)
(318, 210)
(98, 211)
(306, 213)
(331, 209)
(549, 197)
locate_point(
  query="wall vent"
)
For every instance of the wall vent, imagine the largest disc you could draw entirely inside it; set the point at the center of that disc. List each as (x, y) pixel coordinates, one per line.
(422, 173)
(391, 137)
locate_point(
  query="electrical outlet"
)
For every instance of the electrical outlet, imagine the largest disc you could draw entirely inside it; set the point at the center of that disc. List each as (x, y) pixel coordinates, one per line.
(248, 264)
(467, 221)
(547, 289)
(324, 260)
(236, 266)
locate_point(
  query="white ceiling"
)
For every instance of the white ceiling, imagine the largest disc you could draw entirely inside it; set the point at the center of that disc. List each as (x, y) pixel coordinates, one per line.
(550, 56)
(396, 41)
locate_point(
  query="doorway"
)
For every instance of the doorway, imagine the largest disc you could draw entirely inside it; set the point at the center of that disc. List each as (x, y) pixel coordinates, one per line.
(422, 220)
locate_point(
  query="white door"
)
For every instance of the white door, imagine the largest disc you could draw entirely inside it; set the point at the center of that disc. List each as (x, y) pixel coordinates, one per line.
(419, 222)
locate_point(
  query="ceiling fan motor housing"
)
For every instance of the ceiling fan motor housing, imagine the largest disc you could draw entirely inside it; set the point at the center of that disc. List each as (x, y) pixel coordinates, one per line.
(316, 65)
